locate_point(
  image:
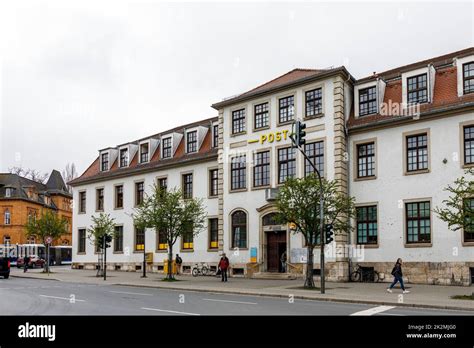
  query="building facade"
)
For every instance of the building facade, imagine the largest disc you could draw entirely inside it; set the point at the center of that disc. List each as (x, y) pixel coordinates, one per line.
(393, 141)
(22, 199)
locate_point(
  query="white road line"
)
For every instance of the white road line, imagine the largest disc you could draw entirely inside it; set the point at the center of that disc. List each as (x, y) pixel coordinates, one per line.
(130, 293)
(212, 299)
(164, 310)
(62, 298)
(374, 310)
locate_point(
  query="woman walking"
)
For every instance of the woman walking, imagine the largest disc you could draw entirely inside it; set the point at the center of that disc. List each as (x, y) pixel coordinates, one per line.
(398, 276)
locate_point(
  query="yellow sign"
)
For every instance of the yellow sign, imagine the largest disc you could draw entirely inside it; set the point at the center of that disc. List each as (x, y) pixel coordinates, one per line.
(271, 137)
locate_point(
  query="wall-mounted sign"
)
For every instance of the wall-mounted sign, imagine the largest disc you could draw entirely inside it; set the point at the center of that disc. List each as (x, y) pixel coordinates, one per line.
(271, 137)
(253, 255)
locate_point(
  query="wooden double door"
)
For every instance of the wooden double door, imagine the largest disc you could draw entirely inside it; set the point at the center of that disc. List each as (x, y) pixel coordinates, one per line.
(276, 246)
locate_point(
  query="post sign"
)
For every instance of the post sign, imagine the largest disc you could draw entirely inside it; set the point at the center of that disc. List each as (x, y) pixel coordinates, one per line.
(271, 137)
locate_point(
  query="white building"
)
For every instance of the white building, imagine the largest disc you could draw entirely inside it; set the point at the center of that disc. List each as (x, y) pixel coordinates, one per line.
(359, 132)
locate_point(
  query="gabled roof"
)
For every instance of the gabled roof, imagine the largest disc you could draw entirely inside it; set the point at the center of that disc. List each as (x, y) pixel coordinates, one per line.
(293, 77)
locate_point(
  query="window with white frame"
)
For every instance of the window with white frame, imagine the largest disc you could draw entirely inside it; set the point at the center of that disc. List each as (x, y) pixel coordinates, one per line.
(166, 148)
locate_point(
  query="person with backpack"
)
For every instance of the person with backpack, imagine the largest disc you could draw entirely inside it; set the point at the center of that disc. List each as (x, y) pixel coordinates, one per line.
(398, 277)
(223, 266)
(179, 261)
(26, 261)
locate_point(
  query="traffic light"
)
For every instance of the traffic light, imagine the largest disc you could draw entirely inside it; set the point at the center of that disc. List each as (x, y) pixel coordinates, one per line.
(108, 240)
(300, 133)
(100, 241)
(329, 233)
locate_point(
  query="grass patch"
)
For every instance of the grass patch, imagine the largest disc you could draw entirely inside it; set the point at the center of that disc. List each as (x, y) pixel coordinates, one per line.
(463, 297)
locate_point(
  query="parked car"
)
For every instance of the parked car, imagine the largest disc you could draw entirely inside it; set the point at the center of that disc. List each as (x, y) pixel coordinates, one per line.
(5, 267)
(35, 262)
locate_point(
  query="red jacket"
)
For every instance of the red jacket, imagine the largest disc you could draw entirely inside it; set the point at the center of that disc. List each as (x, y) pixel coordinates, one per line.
(224, 263)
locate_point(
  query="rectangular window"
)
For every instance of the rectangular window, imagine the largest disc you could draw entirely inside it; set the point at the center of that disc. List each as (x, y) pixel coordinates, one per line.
(286, 109)
(367, 101)
(104, 162)
(191, 141)
(213, 233)
(81, 245)
(161, 242)
(118, 239)
(119, 196)
(261, 169)
(163, 183)
(469, 220)
(366, 160)
(417, 152)
(238, 121)
(315, 152)
(313, 101)
(417, 89)
(286, 164)
(188, 186)
(215, 135)
(238, 172)
(139, 239)
(166, 148)
(188, 241)
(123, 158)
(468, 77)
(468, 144)
(99, 199)
(366, 224)
(82, 202)
(144, 150)
(139, 191)
(213, 182)
(261, 116)
(418, 222)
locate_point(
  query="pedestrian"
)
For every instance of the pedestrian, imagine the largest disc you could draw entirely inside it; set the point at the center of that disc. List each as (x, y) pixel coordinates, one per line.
(179, 261)
(398, 276)
(283, 261)
(26, 261)
(223, 266)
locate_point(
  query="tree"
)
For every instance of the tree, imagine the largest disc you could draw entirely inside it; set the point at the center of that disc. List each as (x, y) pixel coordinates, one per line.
(28, 173)
(48, 225)
(102, 227)
(69, 173)
(298, 203)
(166, 211)
(458, 210)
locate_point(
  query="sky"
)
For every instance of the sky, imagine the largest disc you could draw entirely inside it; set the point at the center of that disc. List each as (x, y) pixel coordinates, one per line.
(79, 76)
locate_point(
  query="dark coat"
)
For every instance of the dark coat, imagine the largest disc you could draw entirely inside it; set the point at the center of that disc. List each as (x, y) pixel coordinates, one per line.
(397, 270)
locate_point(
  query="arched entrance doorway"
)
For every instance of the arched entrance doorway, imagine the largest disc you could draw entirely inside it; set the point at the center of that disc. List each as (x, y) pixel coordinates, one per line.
(276, 243)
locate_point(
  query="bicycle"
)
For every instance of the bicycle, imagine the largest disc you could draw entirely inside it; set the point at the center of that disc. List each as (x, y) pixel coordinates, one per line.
(361, 274)
(200, 269)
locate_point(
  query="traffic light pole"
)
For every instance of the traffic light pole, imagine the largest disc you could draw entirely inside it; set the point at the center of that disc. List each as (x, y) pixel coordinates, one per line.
(105, 258)
(144, 254)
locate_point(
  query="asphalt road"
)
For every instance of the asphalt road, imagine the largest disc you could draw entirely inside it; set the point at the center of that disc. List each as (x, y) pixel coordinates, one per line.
(23, 296)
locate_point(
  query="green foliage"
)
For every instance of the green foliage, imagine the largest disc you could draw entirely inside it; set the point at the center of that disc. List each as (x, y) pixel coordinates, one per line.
(457, 212)
(298, 203)
(102, 225)
(49, 224)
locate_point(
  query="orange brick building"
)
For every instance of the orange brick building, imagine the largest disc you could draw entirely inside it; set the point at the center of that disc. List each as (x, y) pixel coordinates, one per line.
(22, 199)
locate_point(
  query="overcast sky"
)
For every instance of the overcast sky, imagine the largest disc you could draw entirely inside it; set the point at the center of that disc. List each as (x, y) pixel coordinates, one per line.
(77, 76)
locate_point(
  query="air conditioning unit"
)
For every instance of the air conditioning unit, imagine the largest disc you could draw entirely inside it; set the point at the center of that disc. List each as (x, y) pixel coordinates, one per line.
(271, 194)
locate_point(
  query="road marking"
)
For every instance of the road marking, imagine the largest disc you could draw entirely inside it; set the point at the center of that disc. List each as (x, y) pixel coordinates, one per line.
(375, 310)
(164, 310)
(130, 293)
(62, 298)
(212, 299)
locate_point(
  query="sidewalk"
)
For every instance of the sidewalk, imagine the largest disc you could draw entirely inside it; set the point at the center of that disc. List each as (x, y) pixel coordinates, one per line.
(428, 296)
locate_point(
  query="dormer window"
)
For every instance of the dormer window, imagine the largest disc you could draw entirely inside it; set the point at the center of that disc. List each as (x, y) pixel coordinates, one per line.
(144, 152)
(191, 141)
(417, 89)
(368, 101)
(166, 148)
(123, 158)
(468, 77)
(104, 162)
(8, 192)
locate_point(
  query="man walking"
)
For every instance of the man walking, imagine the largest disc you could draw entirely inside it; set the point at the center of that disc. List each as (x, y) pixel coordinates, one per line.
(398, 276)
(179, 261)
(223, 266)
(26, 261)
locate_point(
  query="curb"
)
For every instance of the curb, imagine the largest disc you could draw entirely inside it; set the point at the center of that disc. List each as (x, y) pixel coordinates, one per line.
(255, 293)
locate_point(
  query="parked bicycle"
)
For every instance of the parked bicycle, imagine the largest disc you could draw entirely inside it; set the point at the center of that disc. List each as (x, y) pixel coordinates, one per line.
(200, 269)
(362, 274)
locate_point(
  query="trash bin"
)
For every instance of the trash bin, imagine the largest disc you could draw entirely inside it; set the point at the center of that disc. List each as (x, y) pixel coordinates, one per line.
(165, 266)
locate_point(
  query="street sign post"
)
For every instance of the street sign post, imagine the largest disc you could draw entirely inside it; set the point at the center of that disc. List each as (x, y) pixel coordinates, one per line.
(48, 241)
